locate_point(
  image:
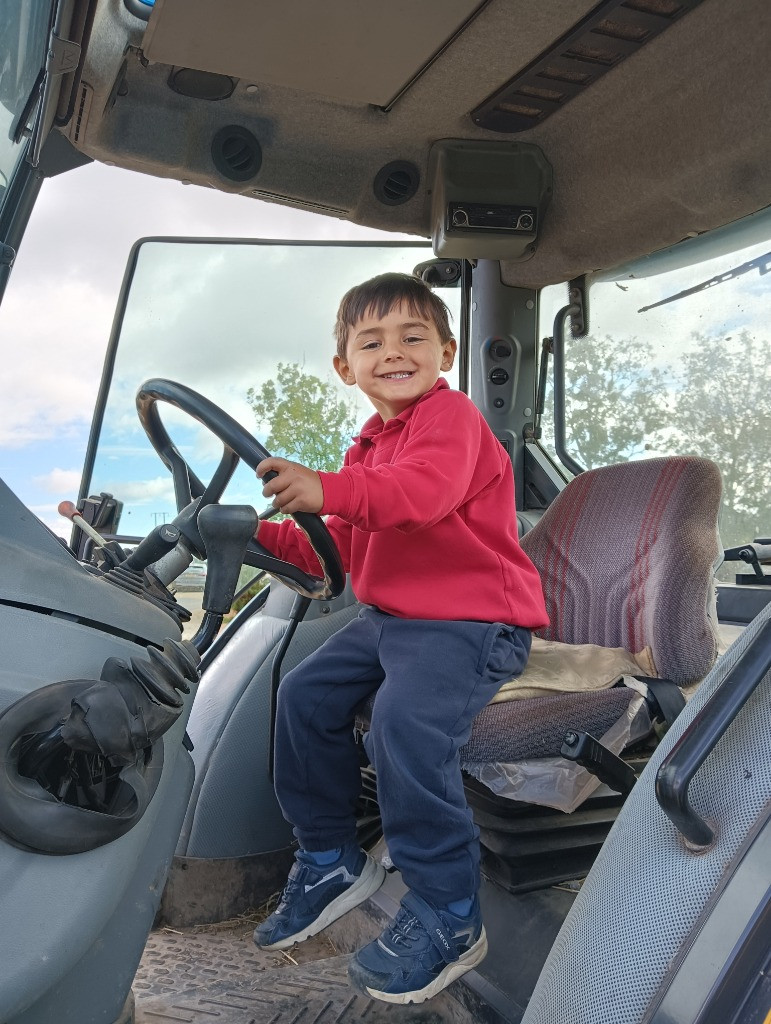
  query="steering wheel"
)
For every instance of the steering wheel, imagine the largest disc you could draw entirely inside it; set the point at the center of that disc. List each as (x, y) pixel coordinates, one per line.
(237, 444)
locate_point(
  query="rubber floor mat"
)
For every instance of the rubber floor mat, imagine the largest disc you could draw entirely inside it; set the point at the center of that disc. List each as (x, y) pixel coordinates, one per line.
(219, 979)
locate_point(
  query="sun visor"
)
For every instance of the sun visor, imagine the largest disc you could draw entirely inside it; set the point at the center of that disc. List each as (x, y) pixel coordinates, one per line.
(351, 51)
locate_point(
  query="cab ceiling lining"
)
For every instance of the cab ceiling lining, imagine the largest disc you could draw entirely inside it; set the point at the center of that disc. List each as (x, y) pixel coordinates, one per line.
(672, 141)
(354, 51)
(614, 30)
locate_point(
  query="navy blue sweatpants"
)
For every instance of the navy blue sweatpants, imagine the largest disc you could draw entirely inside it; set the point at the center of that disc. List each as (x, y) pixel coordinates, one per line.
(432, 678)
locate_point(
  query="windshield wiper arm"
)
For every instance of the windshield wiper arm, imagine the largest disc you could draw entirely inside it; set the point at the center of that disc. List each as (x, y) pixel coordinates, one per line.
(20, 129)
(761, 263)
(62, 58)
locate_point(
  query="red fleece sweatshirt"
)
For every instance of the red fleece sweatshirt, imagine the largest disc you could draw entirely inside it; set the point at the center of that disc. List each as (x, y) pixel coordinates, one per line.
(424, 517)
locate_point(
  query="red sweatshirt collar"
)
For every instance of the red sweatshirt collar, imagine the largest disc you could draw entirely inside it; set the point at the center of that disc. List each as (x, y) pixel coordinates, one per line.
(375, 424)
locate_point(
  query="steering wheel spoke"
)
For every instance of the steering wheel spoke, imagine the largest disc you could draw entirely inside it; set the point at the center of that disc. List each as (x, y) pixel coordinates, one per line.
(222, 474)
(180, 475)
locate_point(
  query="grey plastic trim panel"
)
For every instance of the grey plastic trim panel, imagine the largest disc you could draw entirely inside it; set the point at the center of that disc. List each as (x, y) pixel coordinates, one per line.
(542, 474)
(718, 936)
(68, 910)
(740, 603)
(97, 988)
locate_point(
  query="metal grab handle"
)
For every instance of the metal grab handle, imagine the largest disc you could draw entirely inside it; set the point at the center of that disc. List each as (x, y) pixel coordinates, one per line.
(558, 370)
(702, 735)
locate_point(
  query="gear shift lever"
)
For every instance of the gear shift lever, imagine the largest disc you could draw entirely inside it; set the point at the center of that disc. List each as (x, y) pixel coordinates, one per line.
(226, 530)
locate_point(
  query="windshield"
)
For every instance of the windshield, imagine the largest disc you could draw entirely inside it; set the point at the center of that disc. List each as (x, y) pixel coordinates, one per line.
(249, 326)
(23, 37)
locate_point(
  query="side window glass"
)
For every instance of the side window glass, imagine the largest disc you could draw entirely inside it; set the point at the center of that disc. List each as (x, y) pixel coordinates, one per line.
(691, 375)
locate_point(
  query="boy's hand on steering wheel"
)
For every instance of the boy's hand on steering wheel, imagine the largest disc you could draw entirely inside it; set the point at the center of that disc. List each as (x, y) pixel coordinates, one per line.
(295, 488)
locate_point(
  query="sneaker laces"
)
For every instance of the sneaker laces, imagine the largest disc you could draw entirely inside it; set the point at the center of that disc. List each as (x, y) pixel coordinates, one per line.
(405, 930)
(292, 886)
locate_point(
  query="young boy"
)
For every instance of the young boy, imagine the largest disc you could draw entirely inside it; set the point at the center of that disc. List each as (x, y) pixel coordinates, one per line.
(423, 514)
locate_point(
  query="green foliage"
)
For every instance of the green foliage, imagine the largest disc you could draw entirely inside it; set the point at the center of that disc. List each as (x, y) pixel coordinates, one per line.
(713, 401)
(308, 419)
(723, 412)
(615, 400)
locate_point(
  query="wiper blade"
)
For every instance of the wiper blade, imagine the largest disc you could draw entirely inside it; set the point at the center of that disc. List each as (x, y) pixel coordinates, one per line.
(20, 129)
(761, 263)
(62, 58)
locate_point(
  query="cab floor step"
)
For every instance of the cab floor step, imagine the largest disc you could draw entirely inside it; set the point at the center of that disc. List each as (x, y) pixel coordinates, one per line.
(188, 978)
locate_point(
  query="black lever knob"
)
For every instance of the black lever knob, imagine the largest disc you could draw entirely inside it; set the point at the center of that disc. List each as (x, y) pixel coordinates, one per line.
(226, 530)
(155, 545)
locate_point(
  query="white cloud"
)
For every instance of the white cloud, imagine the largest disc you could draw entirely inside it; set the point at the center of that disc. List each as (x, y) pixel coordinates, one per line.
(53, 347)
(64, 482)
(142, 492)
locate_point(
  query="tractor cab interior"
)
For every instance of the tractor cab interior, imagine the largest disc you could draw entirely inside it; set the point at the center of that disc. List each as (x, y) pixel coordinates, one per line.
(586, 186)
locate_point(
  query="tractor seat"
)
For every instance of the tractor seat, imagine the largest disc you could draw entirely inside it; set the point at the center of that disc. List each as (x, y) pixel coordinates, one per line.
(627, 556)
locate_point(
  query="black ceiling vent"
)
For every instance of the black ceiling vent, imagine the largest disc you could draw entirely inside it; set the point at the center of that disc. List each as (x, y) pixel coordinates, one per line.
(612, 32)
(396, 183)
(236, 153)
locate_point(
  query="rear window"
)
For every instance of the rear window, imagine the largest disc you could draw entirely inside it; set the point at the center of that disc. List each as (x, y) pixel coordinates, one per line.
(691, 375)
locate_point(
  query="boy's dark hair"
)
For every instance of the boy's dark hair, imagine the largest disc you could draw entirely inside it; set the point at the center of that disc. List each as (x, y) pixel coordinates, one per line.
(378, 296)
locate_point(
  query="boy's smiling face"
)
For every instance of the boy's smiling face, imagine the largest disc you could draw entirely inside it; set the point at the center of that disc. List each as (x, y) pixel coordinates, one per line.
(395, 359)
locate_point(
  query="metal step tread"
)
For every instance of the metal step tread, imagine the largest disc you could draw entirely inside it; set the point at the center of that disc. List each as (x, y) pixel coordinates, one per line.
(201, 978)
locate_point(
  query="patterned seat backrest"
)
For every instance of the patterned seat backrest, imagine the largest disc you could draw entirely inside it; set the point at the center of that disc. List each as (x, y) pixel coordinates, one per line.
(627, 555)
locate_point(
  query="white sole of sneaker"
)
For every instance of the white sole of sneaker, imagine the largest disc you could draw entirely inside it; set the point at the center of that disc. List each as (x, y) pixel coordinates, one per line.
(368, 882)
(451, 973)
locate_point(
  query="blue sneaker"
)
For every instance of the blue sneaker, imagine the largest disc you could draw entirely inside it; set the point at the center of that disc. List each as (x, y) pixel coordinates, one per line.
(421, 953)
(315, 896)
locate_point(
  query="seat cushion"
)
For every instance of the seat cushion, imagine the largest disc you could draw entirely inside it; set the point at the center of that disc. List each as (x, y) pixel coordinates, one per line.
(527, 729)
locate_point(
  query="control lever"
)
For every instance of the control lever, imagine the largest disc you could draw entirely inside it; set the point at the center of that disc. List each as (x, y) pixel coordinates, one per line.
(130, 573)
(154, 546)
(69, 511)
(755, 554)
(226, 530)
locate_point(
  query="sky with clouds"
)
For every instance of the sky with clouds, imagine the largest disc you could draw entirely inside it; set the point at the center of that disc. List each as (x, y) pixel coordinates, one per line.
(57, 314)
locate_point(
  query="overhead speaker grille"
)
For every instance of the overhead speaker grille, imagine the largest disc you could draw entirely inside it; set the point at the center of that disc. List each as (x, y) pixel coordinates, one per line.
(612, 32)
(236, 153)
(396, 183)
